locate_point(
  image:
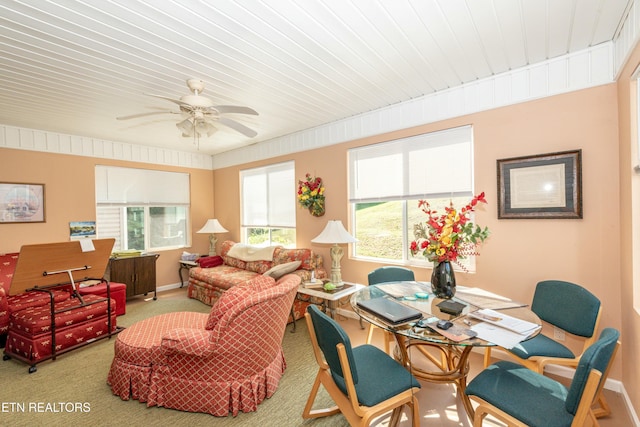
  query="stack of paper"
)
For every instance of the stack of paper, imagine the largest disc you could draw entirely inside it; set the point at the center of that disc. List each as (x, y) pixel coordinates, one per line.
(485, 299)
(501, 329)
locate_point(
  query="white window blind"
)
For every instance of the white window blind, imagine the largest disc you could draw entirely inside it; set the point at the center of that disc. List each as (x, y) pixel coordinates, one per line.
(141, 208)
(119, 186)
(268, 196)
(424, 166)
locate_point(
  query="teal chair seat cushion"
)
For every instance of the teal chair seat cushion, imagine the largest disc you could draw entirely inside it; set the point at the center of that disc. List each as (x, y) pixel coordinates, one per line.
(380, 376)
(530, 397)
(541, 345)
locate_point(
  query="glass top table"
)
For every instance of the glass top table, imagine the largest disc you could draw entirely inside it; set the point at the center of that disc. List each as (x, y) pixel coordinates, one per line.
(449, 356)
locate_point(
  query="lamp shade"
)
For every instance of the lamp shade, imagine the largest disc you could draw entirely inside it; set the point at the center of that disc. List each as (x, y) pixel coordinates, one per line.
(334, 232)
(185, 126)
(212, 226)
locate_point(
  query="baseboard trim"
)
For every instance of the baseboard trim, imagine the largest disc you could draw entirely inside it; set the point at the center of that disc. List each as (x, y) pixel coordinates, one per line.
(168, 287)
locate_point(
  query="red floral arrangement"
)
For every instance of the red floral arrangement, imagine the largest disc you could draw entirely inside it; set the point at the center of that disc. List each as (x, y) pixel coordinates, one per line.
(450, 236)
(311, 194)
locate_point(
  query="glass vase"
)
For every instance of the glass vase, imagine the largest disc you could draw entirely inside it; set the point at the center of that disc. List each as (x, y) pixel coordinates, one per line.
(443, 280)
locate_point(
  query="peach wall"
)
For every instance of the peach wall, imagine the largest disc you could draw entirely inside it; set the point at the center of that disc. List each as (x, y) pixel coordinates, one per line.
(70, 196)
(630, 242)
(519, 253)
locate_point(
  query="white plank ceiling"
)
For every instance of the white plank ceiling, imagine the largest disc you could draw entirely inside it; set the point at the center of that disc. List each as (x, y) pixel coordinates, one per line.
(73, 66)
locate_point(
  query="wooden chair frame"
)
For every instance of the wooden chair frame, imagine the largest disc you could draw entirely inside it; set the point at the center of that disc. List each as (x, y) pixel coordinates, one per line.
(538, 363)
(586, 415)
(348, 404)
(387, 336)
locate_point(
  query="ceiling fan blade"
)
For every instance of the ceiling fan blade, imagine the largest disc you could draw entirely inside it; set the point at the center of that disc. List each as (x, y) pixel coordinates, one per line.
(133, 116)
(224, 109)
(176, 101)
(238, 126)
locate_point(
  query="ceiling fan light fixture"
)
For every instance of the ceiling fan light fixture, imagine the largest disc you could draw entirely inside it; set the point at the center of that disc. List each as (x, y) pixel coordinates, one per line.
(199, 112)
(204, 128)
(211, 131)
(185, 126)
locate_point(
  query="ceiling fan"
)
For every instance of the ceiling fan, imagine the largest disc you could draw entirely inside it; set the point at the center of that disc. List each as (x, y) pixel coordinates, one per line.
(200, 114)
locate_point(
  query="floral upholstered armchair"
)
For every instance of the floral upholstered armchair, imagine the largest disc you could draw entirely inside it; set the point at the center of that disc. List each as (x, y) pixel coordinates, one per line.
(223, 362)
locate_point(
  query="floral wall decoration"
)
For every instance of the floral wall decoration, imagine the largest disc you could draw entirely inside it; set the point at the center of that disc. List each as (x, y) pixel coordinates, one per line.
(311, 194)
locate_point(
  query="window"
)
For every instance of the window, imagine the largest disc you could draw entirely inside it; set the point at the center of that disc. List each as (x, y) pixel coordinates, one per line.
(268, 205)
(142, 209)
(386, 181)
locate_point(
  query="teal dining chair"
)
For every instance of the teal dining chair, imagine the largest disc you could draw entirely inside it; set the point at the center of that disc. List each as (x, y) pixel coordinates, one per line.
(566, 306)
(521, 397)
(363, 381)
(389, 273)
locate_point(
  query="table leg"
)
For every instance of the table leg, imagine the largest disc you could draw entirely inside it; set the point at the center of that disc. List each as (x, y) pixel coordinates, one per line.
(331, 306)
(453, 365)
(180, 274)
(293, 316)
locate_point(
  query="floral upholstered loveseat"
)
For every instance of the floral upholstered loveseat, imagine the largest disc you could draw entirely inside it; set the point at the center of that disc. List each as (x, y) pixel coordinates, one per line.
(208, 284)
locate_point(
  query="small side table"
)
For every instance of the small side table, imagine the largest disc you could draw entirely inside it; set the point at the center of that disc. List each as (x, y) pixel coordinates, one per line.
(185, 265)
(329, 298)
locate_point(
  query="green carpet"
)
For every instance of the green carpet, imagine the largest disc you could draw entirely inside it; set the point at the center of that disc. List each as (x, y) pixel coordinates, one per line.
(72, 390)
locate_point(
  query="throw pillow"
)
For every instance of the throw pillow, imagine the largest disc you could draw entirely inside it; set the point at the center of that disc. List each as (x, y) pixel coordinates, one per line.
(277, 271)
(210, 261)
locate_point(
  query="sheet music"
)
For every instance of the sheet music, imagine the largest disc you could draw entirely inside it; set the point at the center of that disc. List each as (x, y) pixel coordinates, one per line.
(86, 245)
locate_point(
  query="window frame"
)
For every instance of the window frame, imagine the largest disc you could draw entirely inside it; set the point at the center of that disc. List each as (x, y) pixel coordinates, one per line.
(272, 218)
(146, 189)
(405, 196)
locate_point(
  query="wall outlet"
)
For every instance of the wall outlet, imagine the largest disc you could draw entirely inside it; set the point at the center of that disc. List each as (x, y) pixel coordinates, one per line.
(558, 334)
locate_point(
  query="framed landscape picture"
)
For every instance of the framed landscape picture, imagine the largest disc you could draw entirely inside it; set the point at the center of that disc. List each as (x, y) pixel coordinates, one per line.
(540, 186)
(21, 202)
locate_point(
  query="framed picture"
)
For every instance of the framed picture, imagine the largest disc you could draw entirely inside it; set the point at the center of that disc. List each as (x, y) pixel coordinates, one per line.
(82, 230)
(540, 186)
(21, 202)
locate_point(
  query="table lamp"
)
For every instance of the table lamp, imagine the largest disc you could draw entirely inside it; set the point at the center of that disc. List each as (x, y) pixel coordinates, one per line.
(212, 227)
(335, 233)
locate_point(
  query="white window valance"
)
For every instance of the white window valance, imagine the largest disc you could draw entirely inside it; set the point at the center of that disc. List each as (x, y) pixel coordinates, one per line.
(130, 186)
(423, 166)
(268, 196)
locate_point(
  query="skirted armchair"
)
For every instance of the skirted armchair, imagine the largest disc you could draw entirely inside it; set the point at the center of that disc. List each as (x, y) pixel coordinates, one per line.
(223, 362)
